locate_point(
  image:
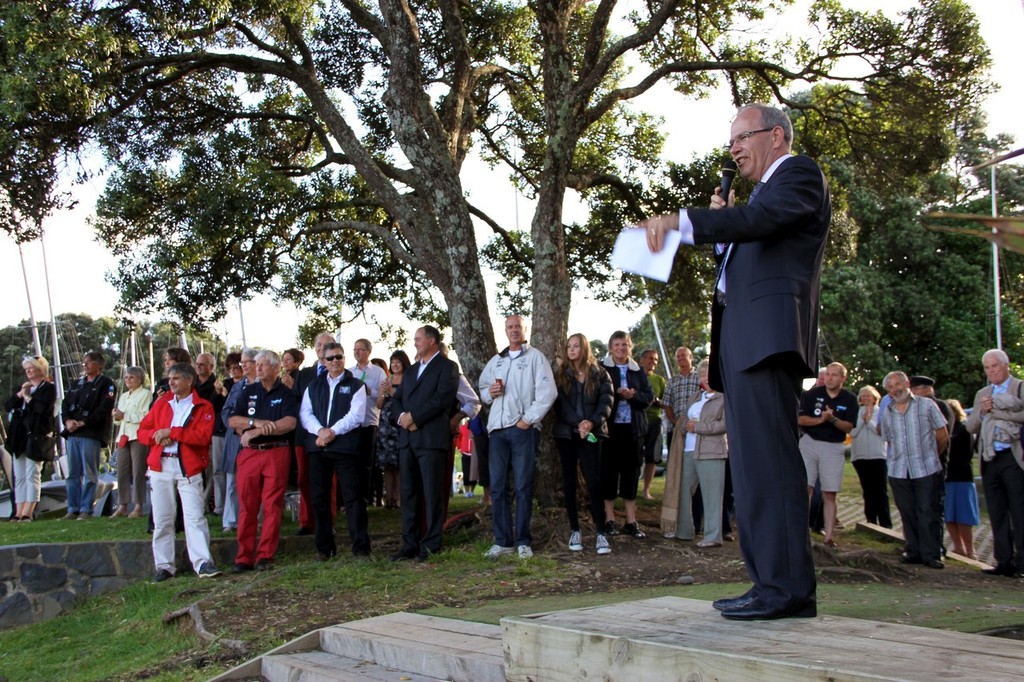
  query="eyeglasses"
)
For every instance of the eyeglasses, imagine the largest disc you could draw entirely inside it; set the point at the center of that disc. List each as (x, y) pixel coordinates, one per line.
(743, 137)
(332, 358)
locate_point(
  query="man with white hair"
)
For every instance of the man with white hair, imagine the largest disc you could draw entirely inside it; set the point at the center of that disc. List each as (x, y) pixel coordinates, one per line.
(266, 415)
(997, 417)
(916, 433)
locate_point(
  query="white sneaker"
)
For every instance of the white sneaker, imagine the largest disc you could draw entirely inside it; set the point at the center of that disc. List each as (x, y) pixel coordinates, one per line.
(602, 545)
(524, 552)
(497, 550)
(575, 541)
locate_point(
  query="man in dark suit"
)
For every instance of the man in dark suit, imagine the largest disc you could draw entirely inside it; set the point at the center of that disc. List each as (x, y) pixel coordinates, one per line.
(769, 255)
(422, 402)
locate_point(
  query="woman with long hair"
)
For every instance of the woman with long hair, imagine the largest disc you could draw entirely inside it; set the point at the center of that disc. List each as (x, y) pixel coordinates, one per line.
(387, 432)
(582, 409)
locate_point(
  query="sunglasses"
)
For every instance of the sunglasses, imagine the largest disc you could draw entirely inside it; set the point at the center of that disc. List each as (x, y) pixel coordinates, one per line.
(332, 358)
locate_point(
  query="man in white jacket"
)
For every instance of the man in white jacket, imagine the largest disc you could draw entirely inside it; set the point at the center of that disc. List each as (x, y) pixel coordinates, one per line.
(520, 388)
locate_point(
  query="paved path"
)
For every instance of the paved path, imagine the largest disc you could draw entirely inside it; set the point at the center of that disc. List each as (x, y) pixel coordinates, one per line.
(850, 508)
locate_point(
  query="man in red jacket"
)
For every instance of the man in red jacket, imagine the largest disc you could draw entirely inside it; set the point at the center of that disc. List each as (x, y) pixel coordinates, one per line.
(178, 430)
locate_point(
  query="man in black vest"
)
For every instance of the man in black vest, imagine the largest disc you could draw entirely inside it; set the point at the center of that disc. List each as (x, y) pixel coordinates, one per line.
(331, 413)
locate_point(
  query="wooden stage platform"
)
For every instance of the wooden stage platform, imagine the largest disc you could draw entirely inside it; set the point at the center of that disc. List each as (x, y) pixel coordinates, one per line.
(664, 640)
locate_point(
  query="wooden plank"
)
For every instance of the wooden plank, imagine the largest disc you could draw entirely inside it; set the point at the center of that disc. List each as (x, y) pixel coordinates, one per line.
(439, 647)
(680, 637)
(320, 666)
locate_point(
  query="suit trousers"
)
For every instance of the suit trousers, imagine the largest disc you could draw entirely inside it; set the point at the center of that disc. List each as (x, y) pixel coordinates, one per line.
(768, 477)
(352, 480)
(165, 483)
(262, 480)
(425, 483)
(919, 501)
(1003, 481)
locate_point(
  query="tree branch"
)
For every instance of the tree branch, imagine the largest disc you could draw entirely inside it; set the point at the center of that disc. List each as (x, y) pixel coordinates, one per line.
(503, 233)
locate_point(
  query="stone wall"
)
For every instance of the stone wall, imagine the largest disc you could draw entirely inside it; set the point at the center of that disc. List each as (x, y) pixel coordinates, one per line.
(39, 582)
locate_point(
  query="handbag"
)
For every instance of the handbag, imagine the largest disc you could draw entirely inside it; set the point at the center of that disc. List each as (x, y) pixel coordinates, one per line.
(39, 448)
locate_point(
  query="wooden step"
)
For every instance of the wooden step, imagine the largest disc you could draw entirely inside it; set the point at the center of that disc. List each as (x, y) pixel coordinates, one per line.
(321, 666)
(670, 638)
(441, 648)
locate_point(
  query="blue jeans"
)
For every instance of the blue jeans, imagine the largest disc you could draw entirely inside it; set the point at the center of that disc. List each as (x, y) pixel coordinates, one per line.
(518, 448)
(83, 472)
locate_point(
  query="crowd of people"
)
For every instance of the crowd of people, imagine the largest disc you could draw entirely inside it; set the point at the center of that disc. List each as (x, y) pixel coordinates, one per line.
(746, 446)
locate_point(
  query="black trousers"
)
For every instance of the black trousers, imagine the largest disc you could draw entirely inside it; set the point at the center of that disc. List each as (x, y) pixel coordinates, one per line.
(872, 474)
(769, 478)
(352, 481)
(587, 456)
(621, 460)
(919, 501)
(1003, 481)
(425, 479)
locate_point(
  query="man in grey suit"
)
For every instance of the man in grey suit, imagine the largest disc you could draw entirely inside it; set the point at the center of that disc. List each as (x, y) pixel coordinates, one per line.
(764, 337)
(424, 402)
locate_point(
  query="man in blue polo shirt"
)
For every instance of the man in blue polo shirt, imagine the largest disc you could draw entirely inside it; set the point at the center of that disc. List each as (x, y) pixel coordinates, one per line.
(266, 415)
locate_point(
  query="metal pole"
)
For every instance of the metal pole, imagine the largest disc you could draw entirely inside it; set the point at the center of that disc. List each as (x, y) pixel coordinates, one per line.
(28, 299)
(241, 320)
(131, 351)
(152, 377)
(661, 345)
(59, 471)
(995, 269)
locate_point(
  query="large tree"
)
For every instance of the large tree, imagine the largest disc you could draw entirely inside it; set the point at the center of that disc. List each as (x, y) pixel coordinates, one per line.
(314, 148)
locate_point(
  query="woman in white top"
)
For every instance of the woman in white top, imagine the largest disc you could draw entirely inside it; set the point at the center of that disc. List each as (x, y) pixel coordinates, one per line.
(132, 405)
(868, 456)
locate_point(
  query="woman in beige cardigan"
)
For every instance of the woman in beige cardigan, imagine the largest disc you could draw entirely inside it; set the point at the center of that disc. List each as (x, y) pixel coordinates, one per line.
(698, 456)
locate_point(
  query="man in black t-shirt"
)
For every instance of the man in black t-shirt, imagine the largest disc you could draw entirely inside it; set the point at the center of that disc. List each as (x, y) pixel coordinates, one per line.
(827, 414)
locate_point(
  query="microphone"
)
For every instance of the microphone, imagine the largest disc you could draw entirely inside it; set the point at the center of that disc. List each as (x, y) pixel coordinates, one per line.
(728, 174)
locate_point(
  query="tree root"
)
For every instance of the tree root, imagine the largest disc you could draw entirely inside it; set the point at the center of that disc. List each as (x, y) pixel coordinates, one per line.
(200, 627)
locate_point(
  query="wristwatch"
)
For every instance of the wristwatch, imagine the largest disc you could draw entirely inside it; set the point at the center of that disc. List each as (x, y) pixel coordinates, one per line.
(252, 423)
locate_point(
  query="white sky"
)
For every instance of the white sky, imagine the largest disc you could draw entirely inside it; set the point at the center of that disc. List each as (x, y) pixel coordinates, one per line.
(77, 263)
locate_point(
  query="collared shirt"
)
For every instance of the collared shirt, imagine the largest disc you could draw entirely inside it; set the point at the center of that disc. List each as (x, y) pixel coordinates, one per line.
(1000, 443)
(680, 391)
(424, 362)
(913, 451)
(256, 402)
(180, 409)
(372, 376)
(469, 401)
(353, 419)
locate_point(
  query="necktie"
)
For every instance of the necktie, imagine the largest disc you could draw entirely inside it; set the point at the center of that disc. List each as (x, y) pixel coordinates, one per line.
(728, 248)
(320, 369)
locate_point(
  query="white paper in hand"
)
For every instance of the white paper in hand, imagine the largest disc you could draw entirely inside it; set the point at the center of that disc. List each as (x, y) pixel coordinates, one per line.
(632, 255)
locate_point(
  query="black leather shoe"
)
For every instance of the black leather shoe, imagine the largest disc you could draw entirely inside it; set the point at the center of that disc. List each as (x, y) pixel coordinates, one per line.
(264, 565)
(1018, 573)
(756, 609)
(910, 559)
(304, 531)
(999, 569)
(733, 602)
(934, 563)
(324, 556)
(241, 568)
(361, 553)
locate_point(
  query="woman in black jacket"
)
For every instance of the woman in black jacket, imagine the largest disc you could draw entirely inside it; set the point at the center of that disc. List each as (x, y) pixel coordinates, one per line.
(627, 428)
(581, 424)
(31, 438)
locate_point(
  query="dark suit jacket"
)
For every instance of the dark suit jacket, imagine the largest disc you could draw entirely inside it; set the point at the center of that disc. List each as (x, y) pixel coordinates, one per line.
(428, 400)
(303, 380)
(773, 273)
